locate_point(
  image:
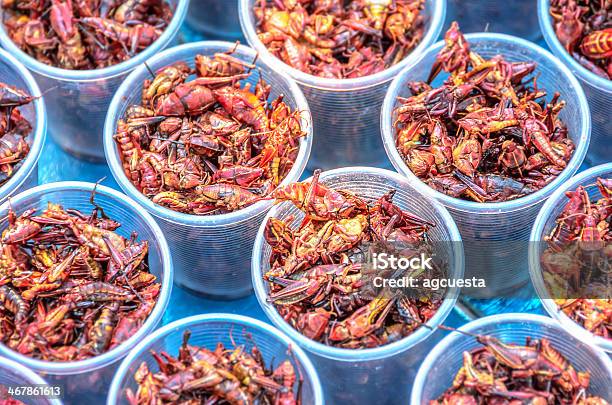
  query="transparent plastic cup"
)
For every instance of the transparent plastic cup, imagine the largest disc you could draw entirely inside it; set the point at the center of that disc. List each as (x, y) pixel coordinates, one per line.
(12, 72)
(88, 379)
(77, 100)
(512, 17)
(444, 361)
(377, 375)
(496, 235)
(13, 374)
(346, 112)
(598, 91)
(543, 225)
(211, 253)
(215, 18)
(208, 330)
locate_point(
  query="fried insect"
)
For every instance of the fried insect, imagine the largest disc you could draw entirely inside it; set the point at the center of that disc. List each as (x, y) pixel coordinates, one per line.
(223, 375)
(577, 260)
(317, 279)
(340, 39)
(508, 373)
(210, 145)
(14, 130)
(70, 286)
(584, 28)
(487, 133)
(85, 34)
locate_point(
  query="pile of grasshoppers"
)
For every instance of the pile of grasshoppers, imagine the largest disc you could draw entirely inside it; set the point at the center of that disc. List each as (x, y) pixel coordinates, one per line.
(506, 373)
(85, 34)
(584, 28)
(318, 278)
(482, 135)
(71, 287)
(340, 39)
(224, 376)
(14, 130)
(577, 261)
(210, 145)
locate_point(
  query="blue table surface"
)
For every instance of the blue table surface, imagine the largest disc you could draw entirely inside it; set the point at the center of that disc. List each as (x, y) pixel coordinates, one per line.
(56, 165)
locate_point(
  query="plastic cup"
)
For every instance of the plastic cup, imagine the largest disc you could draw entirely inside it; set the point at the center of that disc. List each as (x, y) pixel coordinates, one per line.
(598, 91)
(513, 17)
(215, 18)
(543, 225)
(346, 112)
(496, 235)
(77, 100)
(442, 364)
(377, 375)
(211, 253)
(208, 330)
(89, 378)
(13, 374)
(12, 72)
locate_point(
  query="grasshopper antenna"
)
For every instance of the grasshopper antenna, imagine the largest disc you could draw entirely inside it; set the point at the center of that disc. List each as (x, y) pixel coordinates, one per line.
(149, 69)
(447, 328)
(93, 196)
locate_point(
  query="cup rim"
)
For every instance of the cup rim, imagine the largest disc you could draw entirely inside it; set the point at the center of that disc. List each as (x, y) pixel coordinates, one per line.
(97, 74)
(388, 134)
(114, 161)
(553, 42)
(323, 83)
(448, 341)
(38, 136)
(535, 270)
(27, 374)
(111, 356)
(356, 355)
(198, 321)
